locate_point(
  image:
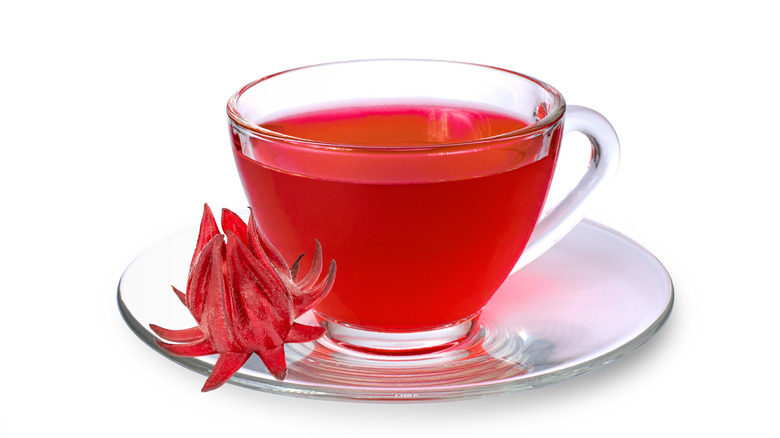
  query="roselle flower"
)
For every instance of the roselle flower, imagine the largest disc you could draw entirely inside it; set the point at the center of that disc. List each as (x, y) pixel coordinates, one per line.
(244, 299)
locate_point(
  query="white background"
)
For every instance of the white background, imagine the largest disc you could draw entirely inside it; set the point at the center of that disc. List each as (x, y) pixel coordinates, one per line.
(113, 130)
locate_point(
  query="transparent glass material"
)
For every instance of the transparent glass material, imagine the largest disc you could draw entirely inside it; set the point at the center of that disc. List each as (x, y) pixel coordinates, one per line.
(541, 327)
(417, 281)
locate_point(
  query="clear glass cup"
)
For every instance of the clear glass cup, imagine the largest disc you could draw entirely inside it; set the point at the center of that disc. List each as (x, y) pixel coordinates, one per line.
(424, 180)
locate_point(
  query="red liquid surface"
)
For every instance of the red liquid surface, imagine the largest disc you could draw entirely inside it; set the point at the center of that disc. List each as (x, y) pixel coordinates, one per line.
(411, 254)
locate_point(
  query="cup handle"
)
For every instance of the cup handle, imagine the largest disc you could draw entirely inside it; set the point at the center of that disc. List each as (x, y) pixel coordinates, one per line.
(572, 209)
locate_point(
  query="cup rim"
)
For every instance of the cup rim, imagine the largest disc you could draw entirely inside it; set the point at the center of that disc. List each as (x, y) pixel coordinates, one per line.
(554, 114)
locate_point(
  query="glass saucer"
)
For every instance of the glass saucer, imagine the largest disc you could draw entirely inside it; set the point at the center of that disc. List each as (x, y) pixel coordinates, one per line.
(594, 297)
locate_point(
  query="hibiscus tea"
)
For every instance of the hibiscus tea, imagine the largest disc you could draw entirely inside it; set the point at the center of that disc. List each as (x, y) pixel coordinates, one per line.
(423, 232)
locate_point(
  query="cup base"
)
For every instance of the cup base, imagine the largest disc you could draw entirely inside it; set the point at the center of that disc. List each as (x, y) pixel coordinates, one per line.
(398, 343)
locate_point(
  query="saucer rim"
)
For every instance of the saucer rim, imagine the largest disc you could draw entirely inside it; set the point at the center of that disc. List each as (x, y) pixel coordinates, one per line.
(556, 374)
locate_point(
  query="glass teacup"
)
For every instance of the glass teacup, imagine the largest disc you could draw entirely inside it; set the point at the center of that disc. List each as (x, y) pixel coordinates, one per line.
(424, 180)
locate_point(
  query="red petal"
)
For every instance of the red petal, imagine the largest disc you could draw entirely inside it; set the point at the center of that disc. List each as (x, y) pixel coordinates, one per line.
(233, 223)
(295, 266)
(261, 247)
(243, 320)
(311, 297)
(181, 295)
(263, 301)
(261, 269)
(208, 229)
(214, 321)
(304, 333)
(185, 335)
(199, 279)
(227, 365)
(316, 268)
(192, 349)
(275, 362)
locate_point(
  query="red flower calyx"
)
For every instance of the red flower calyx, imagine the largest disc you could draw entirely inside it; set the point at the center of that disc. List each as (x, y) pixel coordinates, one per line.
(244, 299)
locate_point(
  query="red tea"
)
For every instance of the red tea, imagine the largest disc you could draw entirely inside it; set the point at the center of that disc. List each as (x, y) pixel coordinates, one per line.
(400, 223)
